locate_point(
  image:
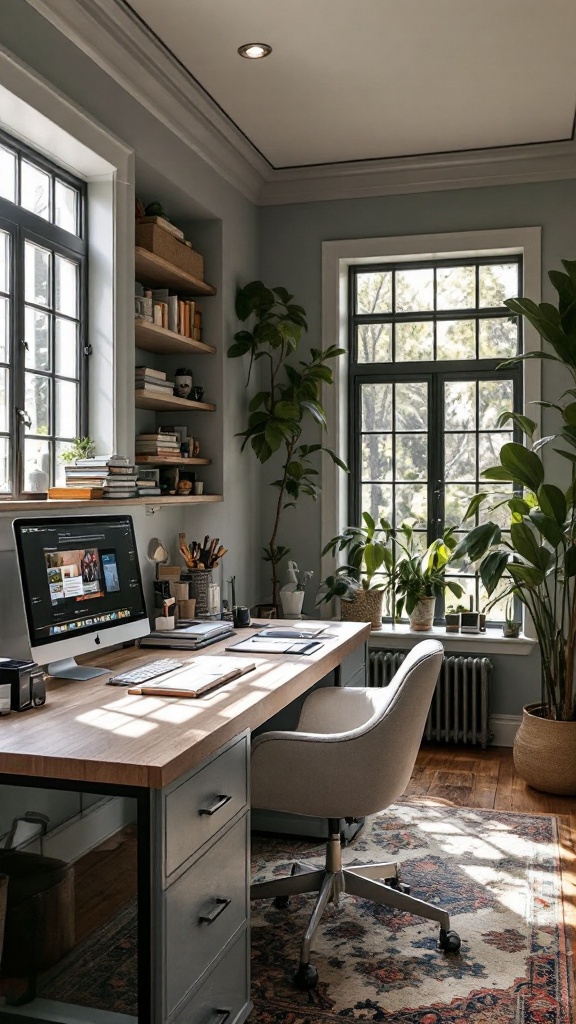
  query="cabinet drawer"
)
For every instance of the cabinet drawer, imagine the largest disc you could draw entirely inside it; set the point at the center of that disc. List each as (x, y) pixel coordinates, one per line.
(224, 996)
(199, 807)
(203, 909)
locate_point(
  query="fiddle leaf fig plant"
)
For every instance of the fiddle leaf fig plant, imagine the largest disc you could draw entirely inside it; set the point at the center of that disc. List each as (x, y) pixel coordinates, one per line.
(287, 401)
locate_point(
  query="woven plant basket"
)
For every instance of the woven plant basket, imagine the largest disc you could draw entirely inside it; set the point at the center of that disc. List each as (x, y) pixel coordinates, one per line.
(365, 607)
(545, 753)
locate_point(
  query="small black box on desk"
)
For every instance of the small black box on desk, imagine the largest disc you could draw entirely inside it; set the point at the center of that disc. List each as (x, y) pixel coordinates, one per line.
(26, 681)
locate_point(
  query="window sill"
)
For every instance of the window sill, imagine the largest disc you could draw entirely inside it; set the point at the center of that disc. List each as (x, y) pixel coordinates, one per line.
(490, 642)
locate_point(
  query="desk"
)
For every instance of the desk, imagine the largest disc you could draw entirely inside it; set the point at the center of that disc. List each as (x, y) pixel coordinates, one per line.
(185, 765)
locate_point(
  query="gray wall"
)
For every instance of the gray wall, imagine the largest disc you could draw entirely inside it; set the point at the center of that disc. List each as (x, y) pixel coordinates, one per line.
(292, 238)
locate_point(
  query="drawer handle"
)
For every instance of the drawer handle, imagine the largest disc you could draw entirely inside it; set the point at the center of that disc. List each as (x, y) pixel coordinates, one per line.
(220, 1017)
(220, 801)
(220, 907)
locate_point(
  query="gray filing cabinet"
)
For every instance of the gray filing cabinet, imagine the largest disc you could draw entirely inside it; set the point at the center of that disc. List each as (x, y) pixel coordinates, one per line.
(200, 910)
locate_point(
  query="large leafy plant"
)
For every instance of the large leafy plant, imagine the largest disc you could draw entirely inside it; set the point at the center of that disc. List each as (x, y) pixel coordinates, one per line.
(536, 560)
(370, 560)
(421, 574)
(288, 399)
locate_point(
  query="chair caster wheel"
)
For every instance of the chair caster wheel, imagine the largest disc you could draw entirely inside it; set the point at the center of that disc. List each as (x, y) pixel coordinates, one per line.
(281, 902)
(449, 942)
(306, 977)
(395, 883)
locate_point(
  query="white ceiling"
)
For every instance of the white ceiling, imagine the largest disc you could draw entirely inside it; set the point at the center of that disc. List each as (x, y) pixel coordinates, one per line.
(353, 80)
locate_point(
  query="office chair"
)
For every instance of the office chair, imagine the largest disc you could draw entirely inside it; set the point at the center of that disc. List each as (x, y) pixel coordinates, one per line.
(352, 754)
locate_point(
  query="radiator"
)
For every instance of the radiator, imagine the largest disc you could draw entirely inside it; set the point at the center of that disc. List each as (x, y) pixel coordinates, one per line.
(459, 709)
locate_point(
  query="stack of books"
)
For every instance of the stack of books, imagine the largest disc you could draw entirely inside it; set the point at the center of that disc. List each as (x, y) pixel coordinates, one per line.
(158, 446)
(114, 475)
(147, 488)
(153, 381)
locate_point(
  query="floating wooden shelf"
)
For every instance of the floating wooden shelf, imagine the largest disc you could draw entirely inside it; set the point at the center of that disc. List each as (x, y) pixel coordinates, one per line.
(10, 507)
(153, 338)
(157, 272)
(149, 400)
(157, 460)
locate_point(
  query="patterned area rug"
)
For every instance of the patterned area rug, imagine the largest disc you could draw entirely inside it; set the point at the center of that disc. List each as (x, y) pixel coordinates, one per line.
(498, 876)
(496, 873)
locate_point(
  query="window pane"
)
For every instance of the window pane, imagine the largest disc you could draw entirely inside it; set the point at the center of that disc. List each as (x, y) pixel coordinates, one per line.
(59, 473)
(4, 382)
(460, 404)
(4, 321)
(5, 482)
(489, 446)
(377, 500)
(457, 497)
(37, 403)
(66, 347)
(66, 287)
(497, 338)
(414, 342)
(374, 292)
(456, 339)
(35, 190)
(37, 337)
(411, 502)
(411, 456)
(414, 290)
(412, 406)
(498, 282)
(455, 288)
(460, 457)
(376, 456)
(36, 464)
(4, 261)
(37, 269)
(7, 174)
(376, 407)
(494, 398)
(65, 207)
(66, 405)
(374, 343)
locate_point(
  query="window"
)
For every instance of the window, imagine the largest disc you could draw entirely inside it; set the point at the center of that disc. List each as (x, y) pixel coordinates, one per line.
(425, 392)
(43, 350)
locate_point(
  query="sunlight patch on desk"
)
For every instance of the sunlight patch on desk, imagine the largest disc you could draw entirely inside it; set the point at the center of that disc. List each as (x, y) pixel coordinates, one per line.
(114, 722)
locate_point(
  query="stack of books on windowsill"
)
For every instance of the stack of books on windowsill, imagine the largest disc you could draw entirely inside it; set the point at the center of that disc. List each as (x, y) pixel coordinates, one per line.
(153, 381)
(147, 488)
(115, 475)
(158, 446)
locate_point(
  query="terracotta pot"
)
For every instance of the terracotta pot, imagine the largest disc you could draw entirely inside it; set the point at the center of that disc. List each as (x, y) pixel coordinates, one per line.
(422, 616)
(365, 607)
(545, 752)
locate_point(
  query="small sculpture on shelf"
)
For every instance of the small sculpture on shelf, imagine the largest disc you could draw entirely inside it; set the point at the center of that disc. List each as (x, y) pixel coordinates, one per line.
(183, 382)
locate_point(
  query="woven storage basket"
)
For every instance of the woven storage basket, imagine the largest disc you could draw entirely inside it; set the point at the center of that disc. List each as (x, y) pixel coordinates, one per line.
(162, 243)
(199, 580)
(366, 607)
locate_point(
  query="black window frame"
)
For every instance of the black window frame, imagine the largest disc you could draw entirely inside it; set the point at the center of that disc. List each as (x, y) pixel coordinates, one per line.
(434, 372)
(23, 225)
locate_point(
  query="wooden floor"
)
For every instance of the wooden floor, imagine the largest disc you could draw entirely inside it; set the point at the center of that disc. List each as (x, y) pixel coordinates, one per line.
(470, 777)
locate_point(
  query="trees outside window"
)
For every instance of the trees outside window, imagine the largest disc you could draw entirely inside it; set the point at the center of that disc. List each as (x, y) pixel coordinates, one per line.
(43, 352)
(426, 344)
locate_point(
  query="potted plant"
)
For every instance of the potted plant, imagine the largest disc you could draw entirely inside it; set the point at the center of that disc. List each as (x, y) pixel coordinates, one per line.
(535, 561)
(288, 399)
(367, 576)
(511, 627)
(420, 575)
(79, 448)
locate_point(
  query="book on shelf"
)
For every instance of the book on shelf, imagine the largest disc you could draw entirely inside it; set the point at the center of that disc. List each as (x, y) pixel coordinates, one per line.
(148, 492)
(75, 493)
(147, 371)
(102, 460)
(145, 447)
(154, 389)
(160, 435)
(131, 492)
(158, 382)
(146, 484)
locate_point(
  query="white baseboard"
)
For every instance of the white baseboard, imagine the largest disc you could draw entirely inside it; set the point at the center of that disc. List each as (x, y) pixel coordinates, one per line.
(80, 834)
(503, 729)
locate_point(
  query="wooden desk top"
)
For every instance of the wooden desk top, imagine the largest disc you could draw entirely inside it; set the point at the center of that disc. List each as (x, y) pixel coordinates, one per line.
(90, 732)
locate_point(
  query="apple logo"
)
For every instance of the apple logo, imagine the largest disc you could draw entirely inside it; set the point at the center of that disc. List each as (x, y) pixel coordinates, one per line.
(96, 639)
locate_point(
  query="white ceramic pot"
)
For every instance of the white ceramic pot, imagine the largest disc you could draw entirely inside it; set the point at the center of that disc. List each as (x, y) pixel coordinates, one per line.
(292, 601)
(422, 616)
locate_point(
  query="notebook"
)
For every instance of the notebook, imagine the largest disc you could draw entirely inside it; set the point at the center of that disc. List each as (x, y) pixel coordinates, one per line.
(195, 678)
(189, 638)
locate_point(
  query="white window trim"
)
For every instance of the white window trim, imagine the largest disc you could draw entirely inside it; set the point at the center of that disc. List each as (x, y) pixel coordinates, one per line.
(337, 257)
(32, 110)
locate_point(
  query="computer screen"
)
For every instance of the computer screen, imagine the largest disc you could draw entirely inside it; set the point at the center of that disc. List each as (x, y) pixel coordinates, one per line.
(82, 587)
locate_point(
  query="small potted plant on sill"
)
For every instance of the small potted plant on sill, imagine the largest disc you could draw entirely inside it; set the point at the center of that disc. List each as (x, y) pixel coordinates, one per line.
(367, 577)
(79, 448)
(511, 626)
(421, 576)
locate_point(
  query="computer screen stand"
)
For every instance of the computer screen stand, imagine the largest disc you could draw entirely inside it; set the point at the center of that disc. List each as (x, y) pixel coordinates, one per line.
(68, 668)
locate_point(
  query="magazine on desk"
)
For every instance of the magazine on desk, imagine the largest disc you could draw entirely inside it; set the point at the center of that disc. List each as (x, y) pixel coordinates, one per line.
(198, 676)
(190, 637)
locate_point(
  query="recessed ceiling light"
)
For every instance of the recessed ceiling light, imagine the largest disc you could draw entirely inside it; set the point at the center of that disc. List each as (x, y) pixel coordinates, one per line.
(254, 50)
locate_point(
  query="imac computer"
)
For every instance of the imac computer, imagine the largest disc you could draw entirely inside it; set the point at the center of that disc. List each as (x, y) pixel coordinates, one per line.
(82, 588)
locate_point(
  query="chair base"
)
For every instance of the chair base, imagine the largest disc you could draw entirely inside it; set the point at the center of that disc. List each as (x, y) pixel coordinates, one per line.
(377, 882)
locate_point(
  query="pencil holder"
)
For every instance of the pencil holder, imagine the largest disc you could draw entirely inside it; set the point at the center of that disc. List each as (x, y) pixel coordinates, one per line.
(186, 609)
(199, 581)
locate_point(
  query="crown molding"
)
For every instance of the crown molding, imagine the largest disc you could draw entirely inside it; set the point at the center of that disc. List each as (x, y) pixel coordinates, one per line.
(113, 37)
(404, 175)
(117, 41)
